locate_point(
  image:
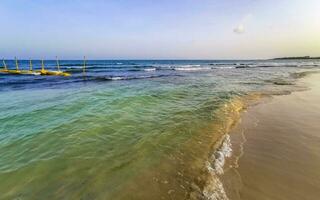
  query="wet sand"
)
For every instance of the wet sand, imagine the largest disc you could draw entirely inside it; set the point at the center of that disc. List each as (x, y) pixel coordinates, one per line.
(276, 148)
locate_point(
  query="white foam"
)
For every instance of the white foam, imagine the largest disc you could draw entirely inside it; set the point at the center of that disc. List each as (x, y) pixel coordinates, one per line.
(220, 156)
(228, 67)
(214, 189)
(117, 78)
(224, 67)
(190, 65)
(36, 73)
(150, 69)
(191, 68)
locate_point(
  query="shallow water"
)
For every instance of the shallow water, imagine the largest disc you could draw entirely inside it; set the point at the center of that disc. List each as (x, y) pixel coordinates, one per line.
(138, 129)
(277, 146)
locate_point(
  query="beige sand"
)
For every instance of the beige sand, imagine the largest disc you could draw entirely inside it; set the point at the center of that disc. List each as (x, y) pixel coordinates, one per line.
(277, 148)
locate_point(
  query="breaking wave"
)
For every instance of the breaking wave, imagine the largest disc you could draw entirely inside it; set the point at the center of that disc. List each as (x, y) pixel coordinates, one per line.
(117, 78)
(191, 68)
(150, 69)
(214, 189)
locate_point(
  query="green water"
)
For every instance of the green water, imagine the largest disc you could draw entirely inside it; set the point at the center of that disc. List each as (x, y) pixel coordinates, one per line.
(114, 140)
(62, 139)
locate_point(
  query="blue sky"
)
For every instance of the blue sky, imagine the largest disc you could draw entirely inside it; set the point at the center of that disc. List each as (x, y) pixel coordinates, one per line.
(166, 29)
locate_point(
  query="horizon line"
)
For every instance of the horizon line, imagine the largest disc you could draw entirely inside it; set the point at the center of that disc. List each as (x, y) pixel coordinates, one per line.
(167, 59)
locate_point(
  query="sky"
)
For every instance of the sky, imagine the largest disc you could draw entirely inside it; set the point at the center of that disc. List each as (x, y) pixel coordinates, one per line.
(159, 29)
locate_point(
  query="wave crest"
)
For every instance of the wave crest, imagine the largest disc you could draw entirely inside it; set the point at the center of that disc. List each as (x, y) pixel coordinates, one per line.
(214, 189)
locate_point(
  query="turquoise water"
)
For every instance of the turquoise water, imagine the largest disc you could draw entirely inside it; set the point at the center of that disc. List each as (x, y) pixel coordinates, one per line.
(138, 129)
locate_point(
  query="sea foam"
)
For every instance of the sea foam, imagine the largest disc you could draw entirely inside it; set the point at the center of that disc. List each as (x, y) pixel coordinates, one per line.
(191, 68)
(214, 189)
(220, 156)
(150, 69)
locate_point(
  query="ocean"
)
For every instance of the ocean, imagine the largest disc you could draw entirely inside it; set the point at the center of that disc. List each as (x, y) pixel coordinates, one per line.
(129, 129)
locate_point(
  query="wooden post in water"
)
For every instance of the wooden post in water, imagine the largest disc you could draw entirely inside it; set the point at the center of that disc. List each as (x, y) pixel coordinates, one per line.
(84, 64)
(17, 65)
(30, 65)
(42, 65)
(84, 68)
(4, 65)
(58, 65)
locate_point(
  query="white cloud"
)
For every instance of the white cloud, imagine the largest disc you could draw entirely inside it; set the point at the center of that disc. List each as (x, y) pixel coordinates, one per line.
(239, 29)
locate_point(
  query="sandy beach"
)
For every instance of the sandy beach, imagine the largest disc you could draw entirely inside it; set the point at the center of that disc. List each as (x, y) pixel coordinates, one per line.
(276, 152)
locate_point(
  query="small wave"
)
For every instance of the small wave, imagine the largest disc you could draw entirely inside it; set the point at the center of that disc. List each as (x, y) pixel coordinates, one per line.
(36, 73)
(142, 68)
(150, 69)
(214, 189)
(298, 75)
(222, 64)
(243, 66)
(265, 66)
(280, 82)
(190, 65)
(191, 68)
(224, 67)
(221, 154)
(311, 65)
(90, 64)
(118, 78)
(110, 78)
(71, 65)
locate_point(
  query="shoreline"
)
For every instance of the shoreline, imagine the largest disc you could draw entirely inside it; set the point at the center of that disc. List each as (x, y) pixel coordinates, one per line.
(212, 185)
(239, 179)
